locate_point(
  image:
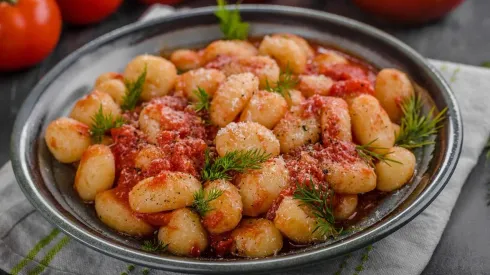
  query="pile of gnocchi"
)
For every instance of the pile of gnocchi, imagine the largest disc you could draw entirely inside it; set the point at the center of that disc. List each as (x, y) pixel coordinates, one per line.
(160, 149)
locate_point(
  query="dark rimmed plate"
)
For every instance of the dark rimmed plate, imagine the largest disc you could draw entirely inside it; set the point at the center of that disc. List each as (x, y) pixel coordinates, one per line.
(48, 184)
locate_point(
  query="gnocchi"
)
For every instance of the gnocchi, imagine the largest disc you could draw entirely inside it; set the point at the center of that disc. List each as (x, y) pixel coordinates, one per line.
(117, 215)
(393, 175)
(226, 210)
(296, 222)
(96, 172)
(167, 191)
(393, 88)
(86, 108)
(285, 51)
(246, 136)
(256, 238)
(207, 79)
(259, 188)
(265, 108)
(234, 154)
(67, 139)
(185, 60)
(161, 75)
(371, 123)
(184, 233)
(231, 97)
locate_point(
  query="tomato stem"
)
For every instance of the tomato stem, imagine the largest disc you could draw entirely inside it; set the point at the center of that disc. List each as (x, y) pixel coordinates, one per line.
(11, 2)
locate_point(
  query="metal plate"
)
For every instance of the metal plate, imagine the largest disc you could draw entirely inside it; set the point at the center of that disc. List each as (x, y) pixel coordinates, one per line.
(48, 184)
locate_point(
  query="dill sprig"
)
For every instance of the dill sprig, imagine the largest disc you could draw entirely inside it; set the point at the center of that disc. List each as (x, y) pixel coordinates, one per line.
(237, 161)
(203, 100)
(154, 246)
(319, 200)
(285, 83)
(369, 156)
(202, 200)
(231, 22)
(133, 91)
(416, 128)
(102, 123)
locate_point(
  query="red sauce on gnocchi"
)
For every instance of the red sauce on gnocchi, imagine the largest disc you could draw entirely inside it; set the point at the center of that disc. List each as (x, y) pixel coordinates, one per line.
(165, 167)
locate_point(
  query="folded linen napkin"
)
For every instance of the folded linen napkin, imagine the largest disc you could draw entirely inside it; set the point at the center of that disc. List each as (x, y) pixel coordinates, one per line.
(31, 245)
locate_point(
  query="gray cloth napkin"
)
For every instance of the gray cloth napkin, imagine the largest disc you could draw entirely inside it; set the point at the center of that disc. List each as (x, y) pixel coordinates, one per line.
(30, 245)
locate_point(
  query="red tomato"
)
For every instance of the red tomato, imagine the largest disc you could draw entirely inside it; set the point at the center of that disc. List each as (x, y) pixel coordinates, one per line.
(29, 31)
(82, 12)
(409, 11)
(165, 2)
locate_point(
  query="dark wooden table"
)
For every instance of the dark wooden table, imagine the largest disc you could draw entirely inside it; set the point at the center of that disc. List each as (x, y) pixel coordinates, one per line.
(463, 36)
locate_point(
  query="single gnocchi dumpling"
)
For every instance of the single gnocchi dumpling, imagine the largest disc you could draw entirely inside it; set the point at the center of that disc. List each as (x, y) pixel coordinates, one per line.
(264, 67)
(346, 206)
(231, 97)
(350, 178)
(335, 120)
(293, 131)
(161, 75)
(392, 89)
(327, 59)
(301, 42)
(226, 210)
(167, 191)
(266, 108)
(232, 48)
(259, 188)
(371, 123)
(311, 85)
(184, 233)
(285, 51)
(392, 175)
(244, 136)
(113, 87)
(107, 76)
(86, 107)
(116, 214)
(96, 172)
(186, 60)
(296, 222)
(206, 79)
(67, 139)
(146, 155)
(256, 238)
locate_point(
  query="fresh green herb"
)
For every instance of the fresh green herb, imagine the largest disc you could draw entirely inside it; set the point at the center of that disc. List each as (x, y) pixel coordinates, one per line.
(146, 271)
(455, 73)
(369, 156)
(486, 64)
(130, 267)
(319, 200)
(124, 273)
(133, 91)
(203, 99)
(238, 161)
(154, 246)
(231, 22)
(102, 123)
(285, 83)
(202, 200)
(416, 128)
